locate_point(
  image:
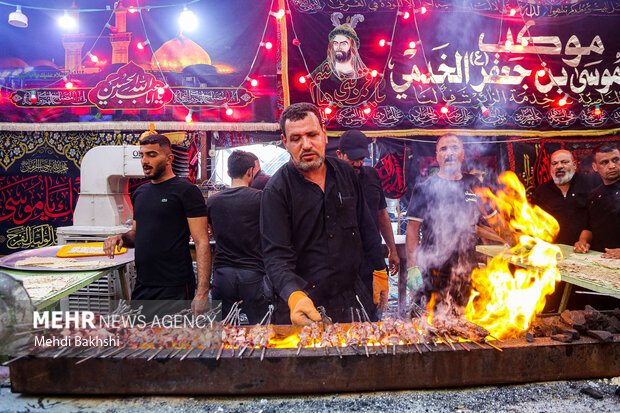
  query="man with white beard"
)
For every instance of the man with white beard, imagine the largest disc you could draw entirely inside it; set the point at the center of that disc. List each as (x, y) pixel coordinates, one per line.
(565, 196)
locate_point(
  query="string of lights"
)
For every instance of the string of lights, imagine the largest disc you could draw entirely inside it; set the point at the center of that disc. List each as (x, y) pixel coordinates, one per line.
(246, 78)
(66, 77)
(130, 9)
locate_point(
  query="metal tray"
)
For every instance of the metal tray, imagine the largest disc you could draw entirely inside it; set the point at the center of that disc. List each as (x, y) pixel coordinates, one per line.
(9, 261)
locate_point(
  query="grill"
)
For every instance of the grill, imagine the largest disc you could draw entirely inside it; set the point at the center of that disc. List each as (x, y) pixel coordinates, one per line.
(310, 370)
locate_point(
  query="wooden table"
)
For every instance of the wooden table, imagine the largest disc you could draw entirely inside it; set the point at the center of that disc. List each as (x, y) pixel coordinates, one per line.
(570, 280)
(83, 279)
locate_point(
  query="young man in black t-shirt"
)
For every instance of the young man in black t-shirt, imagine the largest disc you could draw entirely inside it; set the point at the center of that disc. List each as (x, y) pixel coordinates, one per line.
(445, 209)
(166, 211)
(234, 215)
(602, 231)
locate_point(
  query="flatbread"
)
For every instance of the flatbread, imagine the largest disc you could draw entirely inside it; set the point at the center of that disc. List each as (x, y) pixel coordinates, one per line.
(39, 287)
(612, 263)
(604, 276)
(61, 263)
(86, 250)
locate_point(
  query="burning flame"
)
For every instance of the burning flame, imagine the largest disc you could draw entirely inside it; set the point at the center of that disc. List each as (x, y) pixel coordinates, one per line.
(511, 289)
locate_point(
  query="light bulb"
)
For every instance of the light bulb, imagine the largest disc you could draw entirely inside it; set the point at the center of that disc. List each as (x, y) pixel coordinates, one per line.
(67, 22)
(188, 20)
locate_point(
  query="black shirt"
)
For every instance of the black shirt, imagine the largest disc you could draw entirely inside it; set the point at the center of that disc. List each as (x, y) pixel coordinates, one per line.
(260, 180)
(570, 211)
(449, 212)
(162, 232)
(314, 241)
(373, 192)
(234, 215)
(604, 216)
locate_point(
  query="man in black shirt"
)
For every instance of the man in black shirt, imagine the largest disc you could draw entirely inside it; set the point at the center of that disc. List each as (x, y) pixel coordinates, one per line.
(602, 231)
(234, 218)
(260, 177)
(353, 148)
(166, 211)
(315, 226)
(565, 196)
(445, 208)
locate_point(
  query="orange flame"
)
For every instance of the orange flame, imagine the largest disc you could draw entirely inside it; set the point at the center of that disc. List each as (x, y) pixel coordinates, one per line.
(504, 299)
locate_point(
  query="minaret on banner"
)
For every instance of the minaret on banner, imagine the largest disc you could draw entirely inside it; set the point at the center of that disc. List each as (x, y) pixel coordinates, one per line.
(121, 39)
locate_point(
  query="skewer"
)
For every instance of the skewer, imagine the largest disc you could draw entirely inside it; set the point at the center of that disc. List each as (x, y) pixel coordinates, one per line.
(243, 350)
(6, 363)
(425, 344)
(338, 351)
(478, 344)
(140, 353)
(393, 349)
(262, 353)
(219, 353)
(159, 350)
(105, 355)
(495, 338)
(189, 350)
(464, 346)
(493, 345)
(251, 351)
(23, 333)
(95, 354)
(174, 353)
(417, 347)
(202, 351)
(366, 347)
(62, 350)
(299, 348)
(449, 342)
(115, 352)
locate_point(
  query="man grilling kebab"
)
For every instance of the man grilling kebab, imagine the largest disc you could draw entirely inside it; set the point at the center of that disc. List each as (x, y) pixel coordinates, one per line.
(316, 227)
(446, 210)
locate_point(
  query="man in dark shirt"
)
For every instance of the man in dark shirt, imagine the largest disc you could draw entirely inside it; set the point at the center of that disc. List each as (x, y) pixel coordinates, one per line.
(445, 208)
(353, 148)
(315, 226)
(565, 196)
(602, 231)
(166, 211)
(260, 177)
(234, 218)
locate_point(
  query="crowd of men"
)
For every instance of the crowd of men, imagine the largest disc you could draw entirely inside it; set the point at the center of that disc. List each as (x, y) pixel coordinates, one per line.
(310, 235)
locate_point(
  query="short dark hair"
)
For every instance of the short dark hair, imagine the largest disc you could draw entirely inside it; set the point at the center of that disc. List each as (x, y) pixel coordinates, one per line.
(605, 147)
(298, 111)
(238, 163)
(253, 156)
(157, 139)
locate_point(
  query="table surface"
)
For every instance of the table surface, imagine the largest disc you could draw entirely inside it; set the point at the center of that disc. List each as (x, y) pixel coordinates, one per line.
(493, 250)
(83, 278)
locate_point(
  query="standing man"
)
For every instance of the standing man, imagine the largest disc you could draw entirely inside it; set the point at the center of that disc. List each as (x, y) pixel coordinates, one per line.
(602, 231)
(565, 196)
(315, 226)
(260, 178)
(166, 211)
(445, 208)
(353, 148)
(234, 217)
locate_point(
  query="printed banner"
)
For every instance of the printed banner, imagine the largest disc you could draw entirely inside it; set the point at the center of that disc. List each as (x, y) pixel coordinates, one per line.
(134, 71)
(454, 67)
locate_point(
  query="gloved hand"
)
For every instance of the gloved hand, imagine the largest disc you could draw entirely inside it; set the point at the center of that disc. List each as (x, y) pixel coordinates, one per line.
(302, 309)
(414, 278)
(380, 289)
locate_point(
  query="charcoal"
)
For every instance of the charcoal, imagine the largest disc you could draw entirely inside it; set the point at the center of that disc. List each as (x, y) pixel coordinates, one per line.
(562, 338)
(575, 319)
(573, 333)
(604, 336)
(592, 392)
(529, 337)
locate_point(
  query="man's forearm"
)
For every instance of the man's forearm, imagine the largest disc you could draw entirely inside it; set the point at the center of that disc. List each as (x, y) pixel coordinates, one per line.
(129, 238)
(412, 241)
(385, 227)
(203, 266)
(585, 236)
